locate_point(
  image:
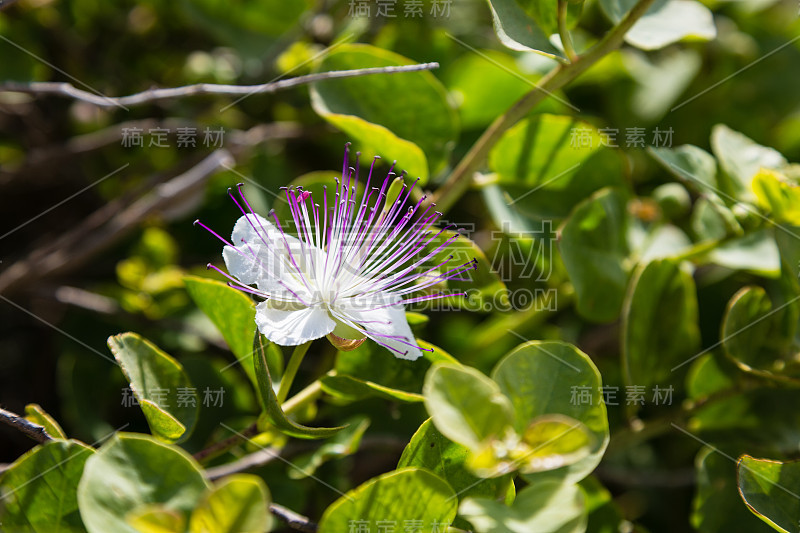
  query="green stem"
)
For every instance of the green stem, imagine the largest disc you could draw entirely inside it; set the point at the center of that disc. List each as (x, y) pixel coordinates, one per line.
(302, 398)
(563, 32)
(291, 370)
(459, 180)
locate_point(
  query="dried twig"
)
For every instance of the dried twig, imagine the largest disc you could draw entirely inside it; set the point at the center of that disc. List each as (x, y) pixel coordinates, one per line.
(152, 95)
(295, 521)
(111, 223)
(34, 431)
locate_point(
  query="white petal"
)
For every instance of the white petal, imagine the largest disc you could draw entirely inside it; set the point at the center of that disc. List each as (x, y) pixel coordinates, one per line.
(382, 322)
(290, 325)
(261, 257)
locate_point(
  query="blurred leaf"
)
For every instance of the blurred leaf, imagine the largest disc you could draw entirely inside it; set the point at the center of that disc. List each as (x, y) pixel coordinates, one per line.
(344, 443)
(690, 164)
(709, 374)
(778, 196)
(769, 488)
(555, 441)
(549, 163)
(352, 389)
(131, 471)
(659, 82)
(594, 248)
(604, 514)
(758, 338)
(757, 253)
(237, 504)
(409, 494)
(547, 378)
(402, 116)
(34, 413)
(156, 519)
(717, 506)
(431, 450)
(659, 323)
(482, 285)
(157, 380)
(269, 400)
(666, 22)
(740, 159)
(712, 220)
(39, 489)
(487, 83)
(546, 507)
(466, 406)
(518, 31)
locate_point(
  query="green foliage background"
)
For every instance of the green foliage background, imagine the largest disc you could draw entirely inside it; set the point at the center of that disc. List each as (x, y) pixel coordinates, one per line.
(669, 263)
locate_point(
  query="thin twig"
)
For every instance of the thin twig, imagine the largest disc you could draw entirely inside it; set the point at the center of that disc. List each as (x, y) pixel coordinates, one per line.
(227, 444)
(152, 95)
(34, 431)
(295, 521)
(253, 460)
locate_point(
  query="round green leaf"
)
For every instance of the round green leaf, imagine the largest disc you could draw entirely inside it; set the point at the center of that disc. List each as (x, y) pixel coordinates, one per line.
(157, 380)
(237, 504)
(758, 338)
(38, 493)
(431, 450)
(770, 490)
(546, 507)
(410, 494)
(659, 323)
(546, 378)
(466, 406)
(717, 506)
(131, 471)
(404, 116)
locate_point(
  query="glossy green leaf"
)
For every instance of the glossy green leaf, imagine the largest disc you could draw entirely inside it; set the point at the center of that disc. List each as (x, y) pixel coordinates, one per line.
(38, 491)
(403, 116)
(431, 450)
(466, 406)
(406, 495)
(717, 506)
(344, 443)
(712, 220)
(770, 490)
(269, 399)
(555, 441)
(659, 323)
(740, 159)
(237, 504)
(758, 337)
(157, 381)
(594, 248)
(34, 413)
(549, 163)
(518, 31)
(352, 389)
(547, 378)
(132, 471)
(666, 22)
(546, 507)
(660, 81)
